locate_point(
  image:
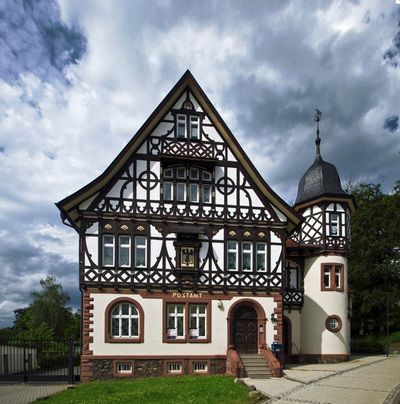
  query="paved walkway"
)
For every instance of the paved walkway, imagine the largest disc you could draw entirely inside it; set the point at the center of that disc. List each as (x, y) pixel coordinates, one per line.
(27, 393)
(362, 380)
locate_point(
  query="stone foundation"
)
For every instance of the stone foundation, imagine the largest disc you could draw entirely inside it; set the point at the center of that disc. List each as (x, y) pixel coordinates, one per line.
(105, 368)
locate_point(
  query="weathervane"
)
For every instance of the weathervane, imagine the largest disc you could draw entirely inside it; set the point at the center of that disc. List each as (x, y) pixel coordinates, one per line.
(317, 118)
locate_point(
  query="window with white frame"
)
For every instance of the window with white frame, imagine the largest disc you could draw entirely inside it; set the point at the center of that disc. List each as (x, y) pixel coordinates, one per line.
(174, 367)
(124, 367)
(168, 191)
(197, 320)
(175, 320)
(181, 192)
(194, 127)
(186, 184)
(181, 126)
(140, 251)
(247, 256)
(334, 224)
(327, 276)
(261, 259)
(124, 321)
(124, 255)
(108, 250)
(187, 126)
(232, 255)
(194, 193)
(206, 194)
(332, 277)
(199, 367)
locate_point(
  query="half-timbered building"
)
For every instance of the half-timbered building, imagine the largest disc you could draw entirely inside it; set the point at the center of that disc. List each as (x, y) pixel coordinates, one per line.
(190, 263)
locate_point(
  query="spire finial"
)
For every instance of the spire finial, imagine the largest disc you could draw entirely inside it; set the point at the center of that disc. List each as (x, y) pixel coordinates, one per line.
(317, 118)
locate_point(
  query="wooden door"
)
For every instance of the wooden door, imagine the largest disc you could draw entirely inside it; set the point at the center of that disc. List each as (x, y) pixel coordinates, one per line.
(245, 336)
(245, 330)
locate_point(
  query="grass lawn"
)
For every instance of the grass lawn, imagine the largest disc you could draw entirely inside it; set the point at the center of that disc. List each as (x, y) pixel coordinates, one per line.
(177, 389)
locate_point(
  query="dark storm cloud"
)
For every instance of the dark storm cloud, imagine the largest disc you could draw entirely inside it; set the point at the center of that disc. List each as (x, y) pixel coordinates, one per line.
(34, 39)
(391, 123)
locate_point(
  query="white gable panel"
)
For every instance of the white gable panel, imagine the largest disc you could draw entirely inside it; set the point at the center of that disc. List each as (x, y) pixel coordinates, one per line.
(162, 128)
(86, 203)
(121, 186)
(281, 216)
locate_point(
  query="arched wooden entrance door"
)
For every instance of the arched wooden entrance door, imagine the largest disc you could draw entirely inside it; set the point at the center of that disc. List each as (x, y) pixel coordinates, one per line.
(245, 329)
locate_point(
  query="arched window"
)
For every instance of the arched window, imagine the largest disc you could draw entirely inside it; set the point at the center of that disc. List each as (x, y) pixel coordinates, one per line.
(124, 321)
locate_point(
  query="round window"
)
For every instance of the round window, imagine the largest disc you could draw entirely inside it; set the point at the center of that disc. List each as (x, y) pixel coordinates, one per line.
(333, 323)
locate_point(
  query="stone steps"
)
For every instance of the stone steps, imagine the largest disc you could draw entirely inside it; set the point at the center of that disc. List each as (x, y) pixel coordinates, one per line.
(255, 366)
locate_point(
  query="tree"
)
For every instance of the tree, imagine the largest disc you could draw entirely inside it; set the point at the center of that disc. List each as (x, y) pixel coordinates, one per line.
(47, 316)
(374, 264)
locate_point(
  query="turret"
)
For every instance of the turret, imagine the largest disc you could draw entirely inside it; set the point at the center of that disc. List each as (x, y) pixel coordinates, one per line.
(326, 208)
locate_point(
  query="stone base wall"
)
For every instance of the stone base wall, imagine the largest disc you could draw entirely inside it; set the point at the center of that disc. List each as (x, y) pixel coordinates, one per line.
(106, 368)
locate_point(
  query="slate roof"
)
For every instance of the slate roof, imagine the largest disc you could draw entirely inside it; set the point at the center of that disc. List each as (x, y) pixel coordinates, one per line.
(320, 178)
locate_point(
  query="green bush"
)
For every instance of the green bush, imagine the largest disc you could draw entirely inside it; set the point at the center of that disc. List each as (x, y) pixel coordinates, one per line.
(368, 345)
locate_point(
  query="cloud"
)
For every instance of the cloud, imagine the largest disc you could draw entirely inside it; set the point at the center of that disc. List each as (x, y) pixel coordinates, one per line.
(77, 79)
(34, 39)
(391, 123)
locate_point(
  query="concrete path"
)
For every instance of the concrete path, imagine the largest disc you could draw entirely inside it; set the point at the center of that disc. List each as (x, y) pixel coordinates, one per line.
(362, 380)
(27, 393)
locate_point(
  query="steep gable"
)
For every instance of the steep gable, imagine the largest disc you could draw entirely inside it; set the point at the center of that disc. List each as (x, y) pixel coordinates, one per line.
(132, 184)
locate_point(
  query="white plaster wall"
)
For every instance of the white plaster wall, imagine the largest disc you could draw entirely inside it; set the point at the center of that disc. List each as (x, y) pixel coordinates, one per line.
(153, 328)
(318, 305)
(295, 318)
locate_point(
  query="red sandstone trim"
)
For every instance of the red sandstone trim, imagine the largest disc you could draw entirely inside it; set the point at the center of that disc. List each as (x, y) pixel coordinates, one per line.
(272, 362)
(234, 365)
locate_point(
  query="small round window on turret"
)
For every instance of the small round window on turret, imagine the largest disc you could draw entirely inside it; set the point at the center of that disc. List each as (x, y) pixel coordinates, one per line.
(333, 323)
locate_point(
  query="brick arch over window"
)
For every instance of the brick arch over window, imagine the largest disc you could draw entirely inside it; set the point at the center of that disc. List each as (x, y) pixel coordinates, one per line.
(261, 320)
(107, 321)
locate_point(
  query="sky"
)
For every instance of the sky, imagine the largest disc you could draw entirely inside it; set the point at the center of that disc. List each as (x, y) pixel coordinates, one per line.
(78, 78)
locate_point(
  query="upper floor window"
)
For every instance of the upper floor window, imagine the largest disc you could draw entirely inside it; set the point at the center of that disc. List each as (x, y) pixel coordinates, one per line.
(332, 277)
(187, 184)
(108, 250)
(117, 251)
(140, 251)
(334, 224)
(187, 126)
(248, 260)
(124, 251)
(292, 276)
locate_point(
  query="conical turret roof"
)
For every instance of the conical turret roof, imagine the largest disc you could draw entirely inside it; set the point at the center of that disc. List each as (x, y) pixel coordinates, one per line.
(321, 178)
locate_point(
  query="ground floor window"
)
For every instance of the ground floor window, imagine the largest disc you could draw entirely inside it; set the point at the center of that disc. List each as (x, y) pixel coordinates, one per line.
(187, 322)
(124, 319)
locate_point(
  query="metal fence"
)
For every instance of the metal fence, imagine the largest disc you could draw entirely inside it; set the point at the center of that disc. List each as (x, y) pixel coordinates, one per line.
(45, 360)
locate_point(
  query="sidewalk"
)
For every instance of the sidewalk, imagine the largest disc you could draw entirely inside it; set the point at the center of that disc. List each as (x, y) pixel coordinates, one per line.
(27, 393)
(367, 379)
